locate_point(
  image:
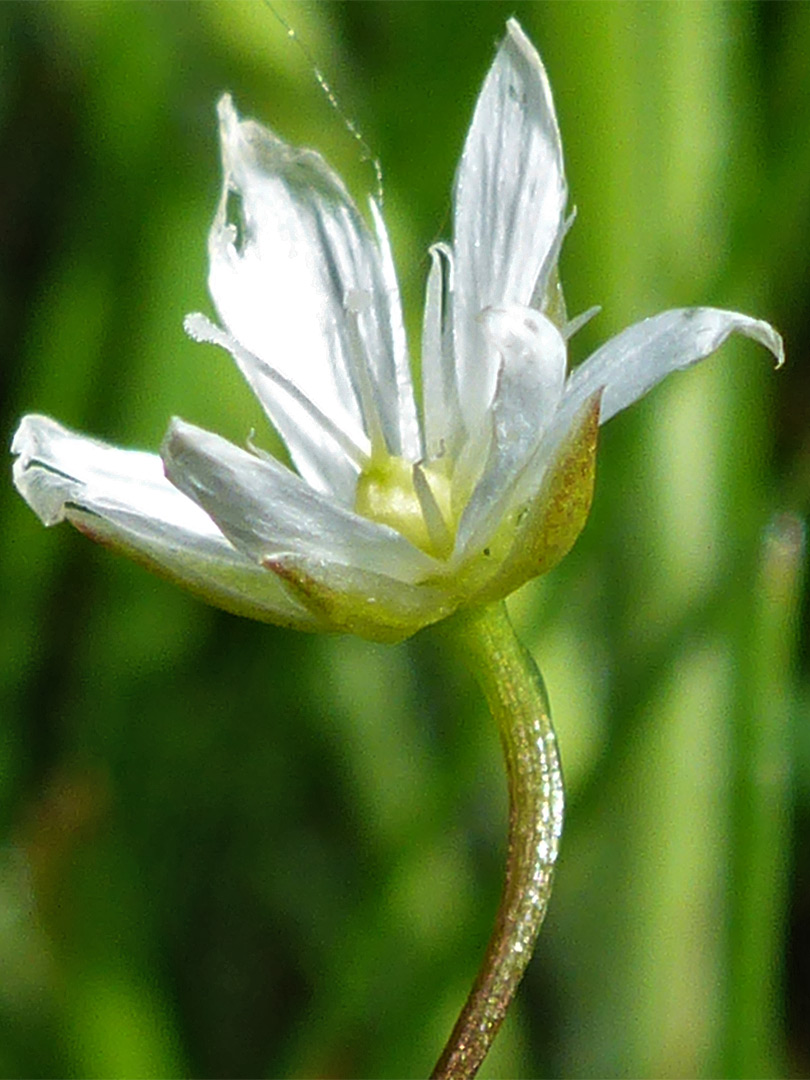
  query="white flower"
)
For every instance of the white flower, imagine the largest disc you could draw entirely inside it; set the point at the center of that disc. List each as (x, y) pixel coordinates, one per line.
(393, 519)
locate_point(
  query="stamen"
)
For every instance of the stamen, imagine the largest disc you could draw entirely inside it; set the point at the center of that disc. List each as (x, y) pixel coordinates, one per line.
(198, 327)
(441, 410)
(361, 378)
(437, 529)
(259, 451)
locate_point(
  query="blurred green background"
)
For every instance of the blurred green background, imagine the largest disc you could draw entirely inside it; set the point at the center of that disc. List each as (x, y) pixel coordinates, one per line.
(231, 850)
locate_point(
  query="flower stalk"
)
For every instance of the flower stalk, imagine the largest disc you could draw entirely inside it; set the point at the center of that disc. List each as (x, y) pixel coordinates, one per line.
(516, 696)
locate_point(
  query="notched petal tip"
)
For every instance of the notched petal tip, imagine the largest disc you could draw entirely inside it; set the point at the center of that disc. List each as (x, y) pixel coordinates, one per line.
(31, 431)
(39, 482)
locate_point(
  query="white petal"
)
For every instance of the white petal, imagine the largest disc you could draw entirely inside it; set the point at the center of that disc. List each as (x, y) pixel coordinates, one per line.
(444, 429)
(635, 360)
(325, 454)
(266, 510)
(410, 437)
(509, 200)
(293, 276)
(530, 385)
(122, 498)
(269, 275)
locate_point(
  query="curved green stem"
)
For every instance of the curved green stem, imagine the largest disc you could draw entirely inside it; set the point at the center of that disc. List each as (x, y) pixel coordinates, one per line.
(516, 696)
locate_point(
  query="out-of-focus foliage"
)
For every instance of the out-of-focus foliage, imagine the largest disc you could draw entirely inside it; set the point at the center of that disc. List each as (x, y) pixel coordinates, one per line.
(230, 850)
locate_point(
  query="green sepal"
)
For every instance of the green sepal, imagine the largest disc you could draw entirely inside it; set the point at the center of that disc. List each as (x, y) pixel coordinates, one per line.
(545, 530)
(359, 602)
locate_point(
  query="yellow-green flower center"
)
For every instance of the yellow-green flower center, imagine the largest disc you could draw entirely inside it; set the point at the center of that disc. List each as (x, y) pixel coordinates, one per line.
(388, 492)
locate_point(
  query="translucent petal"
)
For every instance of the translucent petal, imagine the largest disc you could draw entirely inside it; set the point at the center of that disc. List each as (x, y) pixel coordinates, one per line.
(637, 359)
(509, 200)
(266, 510)
(530, 385)
(293, 270)
(121, 498)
